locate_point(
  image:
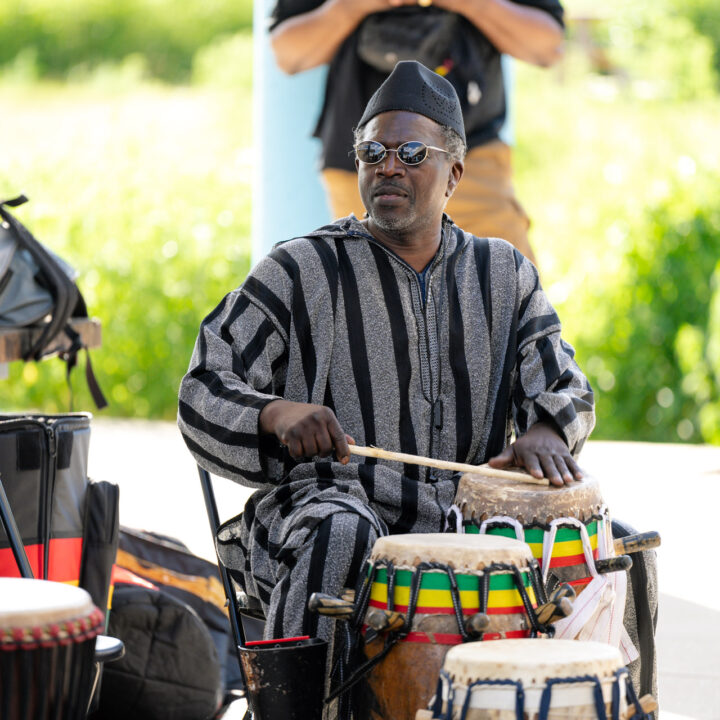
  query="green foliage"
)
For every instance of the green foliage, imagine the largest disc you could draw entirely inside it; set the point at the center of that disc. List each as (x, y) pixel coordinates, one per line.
(705, 16)
(652, 348)
(60, 35)
(661, 49)
(225, 63)
(146, 192)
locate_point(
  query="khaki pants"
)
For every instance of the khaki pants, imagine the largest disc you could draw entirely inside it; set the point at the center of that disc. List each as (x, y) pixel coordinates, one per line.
(484, 202)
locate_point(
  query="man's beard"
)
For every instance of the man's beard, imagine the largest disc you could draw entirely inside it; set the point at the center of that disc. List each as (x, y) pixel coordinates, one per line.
(393, 223)
(390, 220)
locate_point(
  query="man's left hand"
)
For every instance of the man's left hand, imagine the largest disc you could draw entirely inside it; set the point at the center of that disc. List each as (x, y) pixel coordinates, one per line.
(543, 453)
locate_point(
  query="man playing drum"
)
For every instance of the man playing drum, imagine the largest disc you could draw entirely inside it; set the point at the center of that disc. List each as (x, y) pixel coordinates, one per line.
(399, 330)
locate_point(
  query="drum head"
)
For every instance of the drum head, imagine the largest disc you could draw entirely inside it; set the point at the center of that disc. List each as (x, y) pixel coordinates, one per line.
(480, 497)
(471, 552)
(31, 603)
(531, 661)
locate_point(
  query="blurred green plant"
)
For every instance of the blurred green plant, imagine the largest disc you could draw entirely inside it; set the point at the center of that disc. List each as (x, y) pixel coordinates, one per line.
(664, 47)
(60, 36)
(653, 346)
(705, 16)
(145, 189)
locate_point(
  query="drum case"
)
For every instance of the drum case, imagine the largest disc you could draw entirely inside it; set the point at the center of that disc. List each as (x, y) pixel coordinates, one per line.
(43, 466)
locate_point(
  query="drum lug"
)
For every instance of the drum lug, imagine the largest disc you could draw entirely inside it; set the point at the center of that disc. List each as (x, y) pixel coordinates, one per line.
(477, 624)
(382, 620)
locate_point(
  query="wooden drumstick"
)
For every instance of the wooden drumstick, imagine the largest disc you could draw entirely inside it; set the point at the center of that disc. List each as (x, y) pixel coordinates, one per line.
(558, 606)
(477, 624)
(647, 703)
(328, 605)
(637, 543)
(446, 464)
(382, 620)
(614, 564)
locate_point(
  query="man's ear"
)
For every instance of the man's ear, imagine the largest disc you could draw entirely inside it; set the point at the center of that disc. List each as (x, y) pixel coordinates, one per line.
(456, 172)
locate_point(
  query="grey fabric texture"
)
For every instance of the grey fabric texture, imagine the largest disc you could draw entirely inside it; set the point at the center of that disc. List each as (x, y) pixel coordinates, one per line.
(336, 319)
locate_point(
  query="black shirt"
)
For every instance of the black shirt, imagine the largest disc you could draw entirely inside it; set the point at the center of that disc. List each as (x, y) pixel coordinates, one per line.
(476, 74)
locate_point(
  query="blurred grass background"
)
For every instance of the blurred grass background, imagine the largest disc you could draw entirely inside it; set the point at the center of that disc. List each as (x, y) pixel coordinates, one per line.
(129, 127)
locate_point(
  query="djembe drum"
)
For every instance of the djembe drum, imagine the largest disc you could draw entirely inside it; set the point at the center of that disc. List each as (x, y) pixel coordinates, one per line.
(47, 649)
(535, 680)
(425, 593)
(567, 528)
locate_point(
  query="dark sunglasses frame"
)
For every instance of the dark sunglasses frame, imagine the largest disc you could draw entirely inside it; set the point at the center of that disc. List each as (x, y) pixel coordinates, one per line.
(398, 152)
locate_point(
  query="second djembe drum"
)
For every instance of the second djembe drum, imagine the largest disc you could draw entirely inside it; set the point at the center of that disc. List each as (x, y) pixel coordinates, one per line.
(535, 680)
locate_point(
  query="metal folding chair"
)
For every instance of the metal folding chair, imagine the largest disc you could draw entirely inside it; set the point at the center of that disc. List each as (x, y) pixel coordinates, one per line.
(246, 618)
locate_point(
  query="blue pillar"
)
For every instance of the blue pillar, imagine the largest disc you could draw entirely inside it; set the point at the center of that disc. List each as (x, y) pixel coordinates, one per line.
(288, 198)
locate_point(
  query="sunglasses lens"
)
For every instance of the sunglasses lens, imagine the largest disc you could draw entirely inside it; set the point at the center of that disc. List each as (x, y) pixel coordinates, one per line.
(370, 152)
(412, 153)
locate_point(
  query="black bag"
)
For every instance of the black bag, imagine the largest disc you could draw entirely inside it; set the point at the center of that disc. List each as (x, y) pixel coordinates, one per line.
(172, 568)
(408, 33)
(170, 668)
(38, 288)
(67, 523)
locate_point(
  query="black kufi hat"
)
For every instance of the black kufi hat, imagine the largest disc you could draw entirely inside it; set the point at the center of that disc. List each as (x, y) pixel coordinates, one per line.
(414, 88)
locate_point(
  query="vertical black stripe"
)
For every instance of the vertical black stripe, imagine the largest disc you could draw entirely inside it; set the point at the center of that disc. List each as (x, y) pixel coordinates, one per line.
(549, 362)
(360, 551)
(401, 347)
(301, 319)
(501, 407)
(357, 346)
(330, 266)
(316, 571)
(482, 261)
(366, 473)
(458, 364)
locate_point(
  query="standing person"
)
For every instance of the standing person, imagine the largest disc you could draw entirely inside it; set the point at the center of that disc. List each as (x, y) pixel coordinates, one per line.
(400, 330)
(460, 39)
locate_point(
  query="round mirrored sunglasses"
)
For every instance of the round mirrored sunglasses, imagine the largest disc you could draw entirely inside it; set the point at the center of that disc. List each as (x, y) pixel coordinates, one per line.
(412, 152)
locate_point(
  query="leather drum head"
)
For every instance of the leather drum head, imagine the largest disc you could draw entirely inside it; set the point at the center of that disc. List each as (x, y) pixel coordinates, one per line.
(480, 497)
(468, 552)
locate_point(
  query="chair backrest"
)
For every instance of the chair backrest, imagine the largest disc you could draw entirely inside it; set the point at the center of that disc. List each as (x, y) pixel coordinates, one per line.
(214, 520)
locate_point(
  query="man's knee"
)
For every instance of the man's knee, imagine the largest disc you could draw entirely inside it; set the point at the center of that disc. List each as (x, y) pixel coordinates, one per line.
(342, 543)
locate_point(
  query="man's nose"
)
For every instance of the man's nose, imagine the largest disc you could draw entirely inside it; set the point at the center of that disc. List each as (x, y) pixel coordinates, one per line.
(390, 165)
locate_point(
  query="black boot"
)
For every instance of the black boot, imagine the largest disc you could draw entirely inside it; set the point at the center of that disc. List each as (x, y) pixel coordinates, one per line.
(285, 679)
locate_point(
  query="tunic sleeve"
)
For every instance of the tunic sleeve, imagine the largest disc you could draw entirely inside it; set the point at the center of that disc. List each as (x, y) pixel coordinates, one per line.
(237, 368)
(550, 387)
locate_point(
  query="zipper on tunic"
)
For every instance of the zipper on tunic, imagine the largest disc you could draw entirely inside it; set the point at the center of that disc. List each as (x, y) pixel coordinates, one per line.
(429, 350)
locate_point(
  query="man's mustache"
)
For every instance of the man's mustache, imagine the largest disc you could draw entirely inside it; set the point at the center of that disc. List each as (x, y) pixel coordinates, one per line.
(389, 187)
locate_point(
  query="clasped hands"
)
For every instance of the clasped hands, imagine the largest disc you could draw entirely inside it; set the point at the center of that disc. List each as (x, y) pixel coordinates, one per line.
(313, 430)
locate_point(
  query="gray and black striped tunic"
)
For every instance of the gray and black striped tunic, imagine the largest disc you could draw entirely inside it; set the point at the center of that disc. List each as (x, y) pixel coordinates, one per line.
(337, 319)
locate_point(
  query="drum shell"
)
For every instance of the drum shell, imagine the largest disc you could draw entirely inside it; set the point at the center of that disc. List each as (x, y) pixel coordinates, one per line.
(404, 681)
(47, 682)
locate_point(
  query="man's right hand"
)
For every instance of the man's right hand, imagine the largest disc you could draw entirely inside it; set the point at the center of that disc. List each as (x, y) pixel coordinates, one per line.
(307, 430)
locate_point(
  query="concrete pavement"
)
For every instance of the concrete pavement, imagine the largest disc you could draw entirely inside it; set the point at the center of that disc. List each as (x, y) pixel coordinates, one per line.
(669, 488)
